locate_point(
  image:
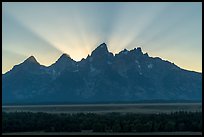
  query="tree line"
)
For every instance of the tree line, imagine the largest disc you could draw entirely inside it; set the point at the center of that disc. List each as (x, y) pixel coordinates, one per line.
(108, 122)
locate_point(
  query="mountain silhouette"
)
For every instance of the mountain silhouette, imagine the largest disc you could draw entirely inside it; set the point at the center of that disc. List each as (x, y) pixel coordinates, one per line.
(129, 75)
(64, 62)
(31, 59)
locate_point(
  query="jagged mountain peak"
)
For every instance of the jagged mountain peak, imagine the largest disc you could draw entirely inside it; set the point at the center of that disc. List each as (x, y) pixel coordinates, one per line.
(125, 51)
(64, 58)
(31, 59)
(30, 65)
(64, 62)
(138, 49)
(65, 55)
(101, 49)
(103, 45)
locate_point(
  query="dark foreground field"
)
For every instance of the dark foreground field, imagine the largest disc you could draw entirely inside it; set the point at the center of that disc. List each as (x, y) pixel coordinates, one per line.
(104, 133)
(102, 123)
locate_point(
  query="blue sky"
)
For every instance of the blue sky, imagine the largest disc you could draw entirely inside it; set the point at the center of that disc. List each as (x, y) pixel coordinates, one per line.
(172, 31)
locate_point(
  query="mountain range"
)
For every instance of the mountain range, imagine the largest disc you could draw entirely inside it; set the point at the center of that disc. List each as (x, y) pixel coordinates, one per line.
(129, 75)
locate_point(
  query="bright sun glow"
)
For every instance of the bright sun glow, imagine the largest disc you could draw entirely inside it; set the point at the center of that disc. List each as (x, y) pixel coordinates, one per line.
(46, 30)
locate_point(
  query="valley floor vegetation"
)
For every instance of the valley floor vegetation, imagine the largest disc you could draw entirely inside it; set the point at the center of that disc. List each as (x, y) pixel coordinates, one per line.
(109, 122)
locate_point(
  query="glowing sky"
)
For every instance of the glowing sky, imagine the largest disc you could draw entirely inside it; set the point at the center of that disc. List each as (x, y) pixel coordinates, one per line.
(172, 31)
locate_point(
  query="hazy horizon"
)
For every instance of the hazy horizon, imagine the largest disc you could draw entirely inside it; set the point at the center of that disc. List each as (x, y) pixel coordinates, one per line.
(171, 31)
